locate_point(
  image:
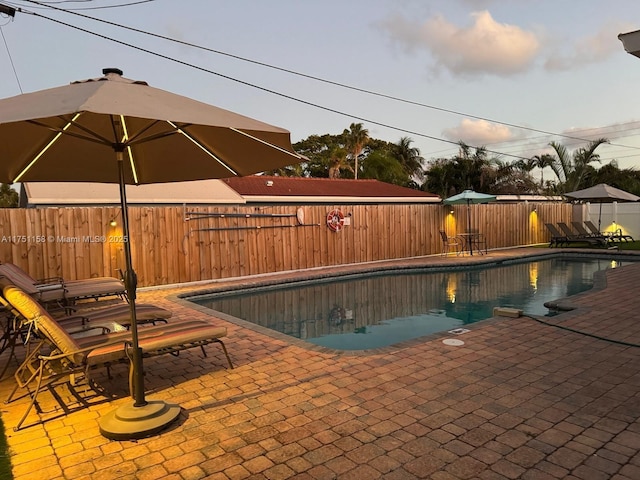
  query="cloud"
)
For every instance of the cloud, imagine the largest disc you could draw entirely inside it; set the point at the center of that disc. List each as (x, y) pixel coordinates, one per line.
(478, 133)
(486, 46)
(588, 50)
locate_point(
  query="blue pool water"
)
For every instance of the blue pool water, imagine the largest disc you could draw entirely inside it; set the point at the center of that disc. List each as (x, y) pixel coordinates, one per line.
(381, 310)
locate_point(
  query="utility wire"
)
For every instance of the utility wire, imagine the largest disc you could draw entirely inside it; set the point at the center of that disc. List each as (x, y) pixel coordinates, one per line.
(15, 73)
(264, 89)
(50, 5)
(323, 80)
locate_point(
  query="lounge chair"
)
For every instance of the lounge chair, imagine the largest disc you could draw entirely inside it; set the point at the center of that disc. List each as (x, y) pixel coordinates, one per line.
(449, 243)
(119, 314)
(573, 237)
(60, 291)
(58, 355)
(616, 236)
(101, 320)
(583, 232)
(557, 238)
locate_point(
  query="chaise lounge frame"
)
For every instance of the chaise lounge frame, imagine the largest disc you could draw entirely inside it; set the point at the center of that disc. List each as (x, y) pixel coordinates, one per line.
(56, 354)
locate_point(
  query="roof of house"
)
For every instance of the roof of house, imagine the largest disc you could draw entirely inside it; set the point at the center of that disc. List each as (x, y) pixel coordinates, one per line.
(256, 188)
(68, 193)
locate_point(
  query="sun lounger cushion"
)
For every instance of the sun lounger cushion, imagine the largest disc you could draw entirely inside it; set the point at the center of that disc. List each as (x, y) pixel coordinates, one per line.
(34, 313)
(121, 314)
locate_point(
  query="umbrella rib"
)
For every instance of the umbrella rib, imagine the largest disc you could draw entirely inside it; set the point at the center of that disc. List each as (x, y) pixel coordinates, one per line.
(125, 141)
(295, 155)
(202, 147)
(94, 137)
(46, 147)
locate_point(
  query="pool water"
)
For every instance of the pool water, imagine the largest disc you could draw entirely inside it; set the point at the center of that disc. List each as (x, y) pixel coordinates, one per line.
(381, 310)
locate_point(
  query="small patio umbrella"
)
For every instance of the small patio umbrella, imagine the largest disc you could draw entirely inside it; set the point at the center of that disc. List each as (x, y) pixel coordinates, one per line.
(468, 197)
(115, 130)
(602, 193)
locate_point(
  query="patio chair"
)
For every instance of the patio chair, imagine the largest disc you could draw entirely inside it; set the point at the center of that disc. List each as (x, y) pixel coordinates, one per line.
(616, 236)
(62, 292)
(573, 237)
(479, 242)
(449, 243)
(57, 355)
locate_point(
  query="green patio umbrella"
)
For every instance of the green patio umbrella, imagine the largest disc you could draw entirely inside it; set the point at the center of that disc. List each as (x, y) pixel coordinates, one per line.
(468, 197)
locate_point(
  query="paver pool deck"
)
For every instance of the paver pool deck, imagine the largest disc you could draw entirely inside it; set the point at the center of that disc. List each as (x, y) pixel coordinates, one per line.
(521, 399)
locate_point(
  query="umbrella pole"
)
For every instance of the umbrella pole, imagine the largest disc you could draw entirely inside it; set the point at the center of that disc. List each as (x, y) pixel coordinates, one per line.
(142, 418)
(469, 228)
(600, 218)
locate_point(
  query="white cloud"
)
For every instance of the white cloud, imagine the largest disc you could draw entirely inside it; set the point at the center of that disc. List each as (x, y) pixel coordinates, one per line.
(486, 46)
(478, 133)
(587, 50)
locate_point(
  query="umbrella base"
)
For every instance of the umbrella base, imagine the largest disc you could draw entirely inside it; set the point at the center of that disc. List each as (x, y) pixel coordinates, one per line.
(131, 422)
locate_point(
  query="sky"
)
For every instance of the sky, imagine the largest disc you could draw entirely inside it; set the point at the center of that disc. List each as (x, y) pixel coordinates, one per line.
(509, 75)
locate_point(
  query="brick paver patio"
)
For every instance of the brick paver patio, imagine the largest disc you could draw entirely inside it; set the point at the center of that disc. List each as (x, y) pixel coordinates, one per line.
(521, 399)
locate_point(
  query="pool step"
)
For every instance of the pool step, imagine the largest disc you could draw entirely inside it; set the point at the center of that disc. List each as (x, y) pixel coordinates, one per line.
(506, 312)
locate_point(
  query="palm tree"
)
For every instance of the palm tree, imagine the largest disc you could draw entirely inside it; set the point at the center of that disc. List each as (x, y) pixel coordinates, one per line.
(356, 137)
(338, 162)
(409, 157)
(571, 170)
(542, 161)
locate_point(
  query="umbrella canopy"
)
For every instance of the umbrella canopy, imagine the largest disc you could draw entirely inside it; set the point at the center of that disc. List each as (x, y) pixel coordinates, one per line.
(69, 134)
(116, 130)
(602, 193)
(468, 197)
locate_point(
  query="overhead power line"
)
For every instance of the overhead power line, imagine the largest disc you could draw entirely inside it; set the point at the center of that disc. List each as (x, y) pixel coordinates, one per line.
(264, 89)
(283, 95)
(320, 79)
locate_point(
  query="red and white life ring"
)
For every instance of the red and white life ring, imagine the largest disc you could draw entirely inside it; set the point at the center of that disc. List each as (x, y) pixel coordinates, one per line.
(335, 220)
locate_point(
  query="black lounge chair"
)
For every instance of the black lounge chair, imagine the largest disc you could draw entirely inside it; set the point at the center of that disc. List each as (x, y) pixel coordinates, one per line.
(616, 236)
(583, 232)
(558, 239)
(573, 237)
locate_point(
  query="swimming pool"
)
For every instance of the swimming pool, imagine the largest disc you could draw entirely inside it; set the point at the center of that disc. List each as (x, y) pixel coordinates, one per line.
(380, 310)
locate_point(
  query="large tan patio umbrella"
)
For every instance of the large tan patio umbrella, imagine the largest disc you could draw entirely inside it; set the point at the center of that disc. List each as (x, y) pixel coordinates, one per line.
(602, 193)
(116, 130)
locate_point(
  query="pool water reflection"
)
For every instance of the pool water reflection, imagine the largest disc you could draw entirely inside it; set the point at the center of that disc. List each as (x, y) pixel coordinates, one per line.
(376, 311)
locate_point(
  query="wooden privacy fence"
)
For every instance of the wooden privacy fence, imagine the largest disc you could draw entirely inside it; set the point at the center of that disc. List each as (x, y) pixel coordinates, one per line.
(173, 245)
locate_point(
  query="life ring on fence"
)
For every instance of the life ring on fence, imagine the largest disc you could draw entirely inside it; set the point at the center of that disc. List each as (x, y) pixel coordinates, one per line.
(335, 220)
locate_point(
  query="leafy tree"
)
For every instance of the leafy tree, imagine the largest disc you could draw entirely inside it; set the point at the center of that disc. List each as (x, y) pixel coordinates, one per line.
(382, 166)
(356, 138)
(338, 162)
(627, 179)
(512, 178)
(570, 170)
(440, 177)
(473, 168)
(8, 196)
(319, 151)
